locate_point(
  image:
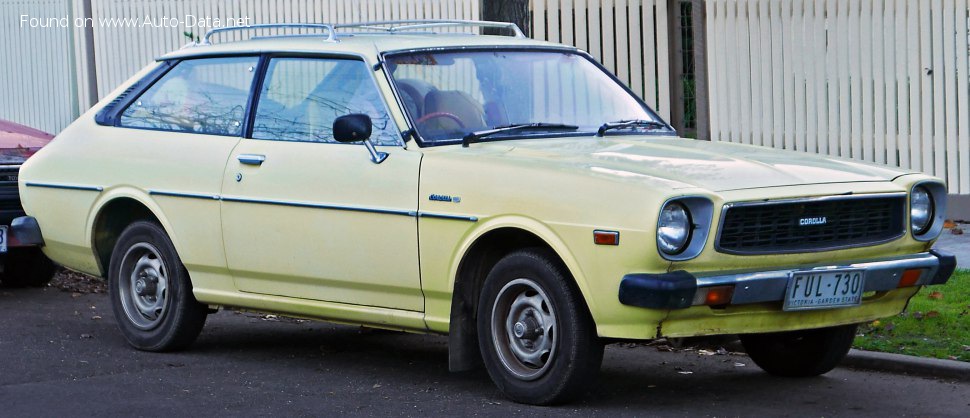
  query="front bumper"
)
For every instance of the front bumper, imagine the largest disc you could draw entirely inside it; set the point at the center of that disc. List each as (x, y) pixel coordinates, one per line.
(677, 290)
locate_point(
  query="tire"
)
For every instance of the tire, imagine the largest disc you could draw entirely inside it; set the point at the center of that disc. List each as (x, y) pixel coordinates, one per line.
(536, 336)
(27, 267)
(803, 353)
(151, 294)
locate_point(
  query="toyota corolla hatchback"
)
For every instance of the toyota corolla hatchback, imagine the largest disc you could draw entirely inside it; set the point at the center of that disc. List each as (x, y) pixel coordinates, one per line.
(509, 193)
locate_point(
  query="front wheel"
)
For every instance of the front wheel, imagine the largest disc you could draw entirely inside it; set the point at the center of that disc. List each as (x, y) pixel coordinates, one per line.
(802, 353)
(151, 293)
(536, 336)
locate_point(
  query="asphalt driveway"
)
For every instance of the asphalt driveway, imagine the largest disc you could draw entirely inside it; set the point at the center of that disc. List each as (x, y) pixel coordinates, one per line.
(63, 356)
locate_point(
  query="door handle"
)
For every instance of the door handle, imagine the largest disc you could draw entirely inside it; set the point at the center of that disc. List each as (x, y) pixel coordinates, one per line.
(251, 159)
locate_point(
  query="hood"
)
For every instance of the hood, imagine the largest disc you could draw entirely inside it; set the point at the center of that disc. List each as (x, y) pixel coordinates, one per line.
(17, 142)
(682, 163)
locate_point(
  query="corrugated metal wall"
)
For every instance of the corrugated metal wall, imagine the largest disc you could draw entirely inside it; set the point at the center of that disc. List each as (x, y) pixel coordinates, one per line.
(879, 81)
(131, 48)
(44, 72)
(38, 85)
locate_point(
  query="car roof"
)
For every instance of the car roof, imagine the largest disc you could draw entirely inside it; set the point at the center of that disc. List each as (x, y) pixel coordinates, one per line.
(356, 43)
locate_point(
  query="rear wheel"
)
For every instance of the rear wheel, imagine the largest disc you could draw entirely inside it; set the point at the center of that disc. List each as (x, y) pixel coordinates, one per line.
(802, 353)
(536, 336)
(151, 293)
(27, 267)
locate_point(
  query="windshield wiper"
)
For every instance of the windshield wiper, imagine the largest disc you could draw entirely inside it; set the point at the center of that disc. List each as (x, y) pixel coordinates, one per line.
(631, 123)
(476, 136)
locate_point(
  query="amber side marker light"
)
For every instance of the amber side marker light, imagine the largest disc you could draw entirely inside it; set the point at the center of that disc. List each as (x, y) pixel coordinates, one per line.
(601, 237)
(910, 277)
(714, 296)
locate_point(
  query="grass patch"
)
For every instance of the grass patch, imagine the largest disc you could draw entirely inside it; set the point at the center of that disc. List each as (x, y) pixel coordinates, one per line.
(936, 324)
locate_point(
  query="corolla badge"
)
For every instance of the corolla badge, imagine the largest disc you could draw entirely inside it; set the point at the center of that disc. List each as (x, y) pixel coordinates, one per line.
(444, 198)
(821, 220)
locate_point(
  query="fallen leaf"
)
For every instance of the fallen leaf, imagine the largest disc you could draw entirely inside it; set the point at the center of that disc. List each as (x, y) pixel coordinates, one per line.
(875, 324)
(739, 364)
(949, 224)
(956, 231)
(935, 295)
(705, 352)
(685, 372)
(96, 317)
(932, 314)
(376, 385)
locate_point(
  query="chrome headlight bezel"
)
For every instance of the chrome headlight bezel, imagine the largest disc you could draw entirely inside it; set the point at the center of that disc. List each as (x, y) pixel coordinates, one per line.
(699, 211)
(937, 201)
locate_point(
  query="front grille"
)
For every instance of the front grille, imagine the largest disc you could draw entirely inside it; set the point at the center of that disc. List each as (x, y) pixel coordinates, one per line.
(798, 226)
(9, 195)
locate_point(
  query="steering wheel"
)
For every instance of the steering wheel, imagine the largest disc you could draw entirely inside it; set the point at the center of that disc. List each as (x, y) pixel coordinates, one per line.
(435, 115)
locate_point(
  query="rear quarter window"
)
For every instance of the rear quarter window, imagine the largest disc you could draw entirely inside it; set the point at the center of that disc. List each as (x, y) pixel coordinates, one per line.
(206, 96)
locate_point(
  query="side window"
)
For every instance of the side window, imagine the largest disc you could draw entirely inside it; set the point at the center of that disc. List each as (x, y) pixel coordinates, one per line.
(206, 96)
(301, 97)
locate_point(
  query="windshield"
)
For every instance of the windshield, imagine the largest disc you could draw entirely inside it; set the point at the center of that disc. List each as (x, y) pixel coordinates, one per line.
(449, 95)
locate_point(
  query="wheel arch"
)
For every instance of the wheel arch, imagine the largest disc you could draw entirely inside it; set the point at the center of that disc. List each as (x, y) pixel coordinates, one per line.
(115, 211)
(479, 254)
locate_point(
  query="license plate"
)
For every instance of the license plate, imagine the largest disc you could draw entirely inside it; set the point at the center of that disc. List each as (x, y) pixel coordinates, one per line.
(819, 289)
(3, 238)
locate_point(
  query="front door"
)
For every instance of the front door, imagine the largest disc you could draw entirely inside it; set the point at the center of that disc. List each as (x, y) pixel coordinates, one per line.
(306, 217)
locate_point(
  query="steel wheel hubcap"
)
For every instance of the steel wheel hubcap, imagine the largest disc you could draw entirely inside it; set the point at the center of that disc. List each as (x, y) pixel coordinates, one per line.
(524, 329)
(143, 286)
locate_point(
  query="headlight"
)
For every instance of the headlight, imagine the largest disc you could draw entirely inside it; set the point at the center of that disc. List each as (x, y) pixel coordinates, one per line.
(673, 229)
(920, 210)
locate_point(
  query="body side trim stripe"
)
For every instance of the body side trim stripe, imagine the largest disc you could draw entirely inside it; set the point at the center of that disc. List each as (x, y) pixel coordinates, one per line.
(398, 212)
(319, 206)
(180, 194)
(443, 216)
(65, 186)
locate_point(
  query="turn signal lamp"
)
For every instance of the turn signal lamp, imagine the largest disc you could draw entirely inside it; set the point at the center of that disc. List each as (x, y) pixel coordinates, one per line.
(714, 296)
(910, 277)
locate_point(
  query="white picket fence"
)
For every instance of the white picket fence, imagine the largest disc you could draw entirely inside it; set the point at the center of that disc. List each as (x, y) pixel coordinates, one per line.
(884, 81)
(629, 37)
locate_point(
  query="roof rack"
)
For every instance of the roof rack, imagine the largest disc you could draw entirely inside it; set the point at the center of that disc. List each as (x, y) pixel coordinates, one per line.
(331, 32)
(393, 26)
(388, 26)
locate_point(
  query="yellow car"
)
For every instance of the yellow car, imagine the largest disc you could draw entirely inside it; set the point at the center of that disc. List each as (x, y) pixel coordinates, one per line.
(509, 193)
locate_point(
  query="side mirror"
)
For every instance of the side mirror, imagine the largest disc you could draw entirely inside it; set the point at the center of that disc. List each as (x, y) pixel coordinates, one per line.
(356, 127)
(352, 128)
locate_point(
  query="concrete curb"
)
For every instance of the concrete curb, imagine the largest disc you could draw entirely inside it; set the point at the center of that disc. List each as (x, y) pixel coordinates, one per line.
(898, 363)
